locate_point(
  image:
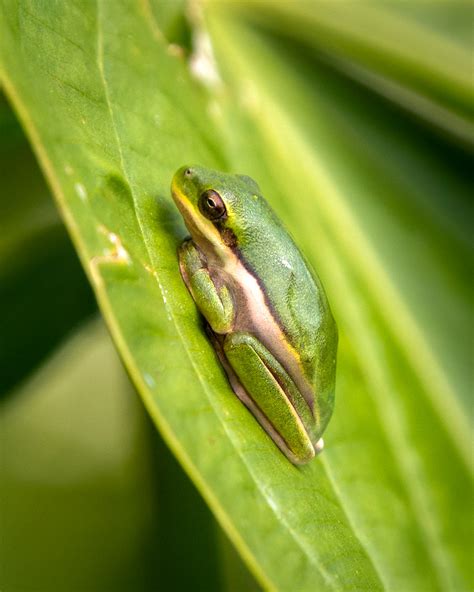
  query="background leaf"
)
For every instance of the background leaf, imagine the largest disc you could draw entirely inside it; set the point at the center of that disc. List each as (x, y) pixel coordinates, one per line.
(378, 205)
(416, 56)
(36, 256)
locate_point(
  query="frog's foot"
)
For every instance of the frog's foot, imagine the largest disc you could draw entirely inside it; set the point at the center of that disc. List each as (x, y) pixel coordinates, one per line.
(319, 446)
(189, 260)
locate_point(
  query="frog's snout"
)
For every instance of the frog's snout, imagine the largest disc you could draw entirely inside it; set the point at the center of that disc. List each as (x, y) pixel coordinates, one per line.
(183, 174)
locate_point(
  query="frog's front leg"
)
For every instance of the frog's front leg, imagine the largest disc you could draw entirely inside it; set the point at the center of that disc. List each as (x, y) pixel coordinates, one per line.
(215, 304)
(272, 396)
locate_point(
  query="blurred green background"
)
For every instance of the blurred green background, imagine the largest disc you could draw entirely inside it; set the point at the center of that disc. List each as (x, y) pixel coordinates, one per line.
(356, 117)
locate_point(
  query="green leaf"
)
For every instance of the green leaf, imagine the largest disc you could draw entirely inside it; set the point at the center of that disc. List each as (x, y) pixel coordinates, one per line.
(112, 111)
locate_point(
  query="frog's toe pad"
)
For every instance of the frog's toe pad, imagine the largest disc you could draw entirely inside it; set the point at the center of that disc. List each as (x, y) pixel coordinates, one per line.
(189, 258)
(318, 447)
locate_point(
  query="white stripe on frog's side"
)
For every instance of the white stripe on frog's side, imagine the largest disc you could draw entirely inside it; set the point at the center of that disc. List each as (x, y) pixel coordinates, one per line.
(254, 316)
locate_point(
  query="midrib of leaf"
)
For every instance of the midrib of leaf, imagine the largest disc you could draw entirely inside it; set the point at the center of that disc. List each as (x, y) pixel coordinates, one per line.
(214, 502)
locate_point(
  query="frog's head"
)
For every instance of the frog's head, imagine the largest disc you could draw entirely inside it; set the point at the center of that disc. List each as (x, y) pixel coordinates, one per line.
(217, 207)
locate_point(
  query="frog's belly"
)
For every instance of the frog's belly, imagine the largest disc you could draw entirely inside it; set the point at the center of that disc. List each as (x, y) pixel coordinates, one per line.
(254, 316)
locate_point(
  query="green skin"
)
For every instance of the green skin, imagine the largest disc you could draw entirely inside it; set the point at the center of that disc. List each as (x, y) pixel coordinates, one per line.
(269, 318)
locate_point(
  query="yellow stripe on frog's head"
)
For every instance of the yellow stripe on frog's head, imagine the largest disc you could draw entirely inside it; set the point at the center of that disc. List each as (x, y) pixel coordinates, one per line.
(199, 205)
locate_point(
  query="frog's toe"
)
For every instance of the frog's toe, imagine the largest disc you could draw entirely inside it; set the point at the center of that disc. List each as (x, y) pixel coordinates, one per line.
(319, 446)
(189, 258)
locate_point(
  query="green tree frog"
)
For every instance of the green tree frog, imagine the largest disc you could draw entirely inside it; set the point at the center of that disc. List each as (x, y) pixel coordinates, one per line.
(267, 313)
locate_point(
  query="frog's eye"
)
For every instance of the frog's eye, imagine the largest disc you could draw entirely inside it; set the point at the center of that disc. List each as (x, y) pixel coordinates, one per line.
(212, 205)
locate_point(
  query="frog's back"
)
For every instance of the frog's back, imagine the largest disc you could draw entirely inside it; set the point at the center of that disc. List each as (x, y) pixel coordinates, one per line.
(295, 296)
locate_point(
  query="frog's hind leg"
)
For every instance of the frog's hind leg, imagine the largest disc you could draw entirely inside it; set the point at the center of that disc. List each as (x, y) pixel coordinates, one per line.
(263, 385)
(218, 343)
